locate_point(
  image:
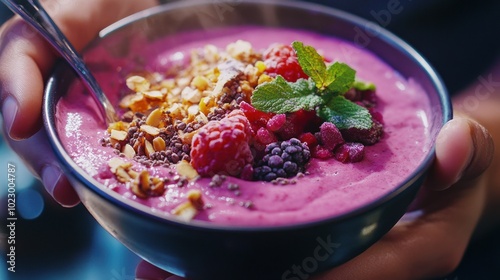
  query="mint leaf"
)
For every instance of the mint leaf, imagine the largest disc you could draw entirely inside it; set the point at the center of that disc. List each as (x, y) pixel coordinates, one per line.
(340, 78)
(312, 63)
(364, 86)
(281, 97)
(345, 114)
(323, 92)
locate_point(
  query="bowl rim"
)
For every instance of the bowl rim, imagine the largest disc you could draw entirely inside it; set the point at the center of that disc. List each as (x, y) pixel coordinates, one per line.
(142, 210)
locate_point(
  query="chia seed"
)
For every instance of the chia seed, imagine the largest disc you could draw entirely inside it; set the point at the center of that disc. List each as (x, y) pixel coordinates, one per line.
(233, 187)
(181, 126)
(247, 204)
(217, 181)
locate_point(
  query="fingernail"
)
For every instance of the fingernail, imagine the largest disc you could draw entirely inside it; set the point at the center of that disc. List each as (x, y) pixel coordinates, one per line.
(50, 178)
(470, 154)
(9, 112)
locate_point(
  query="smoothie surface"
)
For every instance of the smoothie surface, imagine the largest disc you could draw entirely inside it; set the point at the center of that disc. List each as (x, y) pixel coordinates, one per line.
(329, 189)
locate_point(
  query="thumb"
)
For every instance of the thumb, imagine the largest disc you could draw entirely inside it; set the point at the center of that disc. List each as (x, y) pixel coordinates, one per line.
(464, 149)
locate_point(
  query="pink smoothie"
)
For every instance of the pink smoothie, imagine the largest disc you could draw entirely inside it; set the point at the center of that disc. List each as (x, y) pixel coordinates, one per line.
(331, 188)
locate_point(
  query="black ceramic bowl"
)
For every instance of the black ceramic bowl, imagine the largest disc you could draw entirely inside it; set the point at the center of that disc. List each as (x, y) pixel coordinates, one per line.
(200, 250)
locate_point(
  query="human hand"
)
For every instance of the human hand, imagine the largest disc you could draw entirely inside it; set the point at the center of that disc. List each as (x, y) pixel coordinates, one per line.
(431, 239)
(26, 60)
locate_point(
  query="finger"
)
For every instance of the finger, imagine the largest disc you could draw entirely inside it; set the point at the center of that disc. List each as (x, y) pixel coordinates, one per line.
(484, 151)
(464, 149)
(26, 59)
(429, 245)
(37, 155)
(148, 271)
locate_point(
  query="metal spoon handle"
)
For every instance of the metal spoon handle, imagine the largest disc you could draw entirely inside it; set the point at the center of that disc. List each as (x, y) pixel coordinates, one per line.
(34, 13)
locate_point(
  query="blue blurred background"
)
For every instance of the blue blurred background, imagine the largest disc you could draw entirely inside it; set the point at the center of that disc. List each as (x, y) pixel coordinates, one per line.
(57, 243)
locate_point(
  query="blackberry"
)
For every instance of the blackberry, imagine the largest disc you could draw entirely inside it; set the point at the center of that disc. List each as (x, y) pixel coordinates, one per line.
(282, 160)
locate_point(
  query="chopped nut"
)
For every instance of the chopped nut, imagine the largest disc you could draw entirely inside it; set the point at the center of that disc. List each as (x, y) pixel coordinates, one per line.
(155, 95)
(122, 175)
(185, 169)
(240, 50)
(133, 174)
(191, 95)
(138, 83)
(159, 144)
(118, 135)
(155, 117)
(200, 82)
(129, 151)
(148, 148)
(201, 118)
(187, 138)
(144, 180)
(138, 103)
(167, 83)
(150, 130)
(185, 211)
(183, 82)
(120, 125)
(136, 189)
(127, 100)
(176, 111)
(158, 187)
(193, 110)
(206, 104)
(195, 197)
(116, 162)
(211, 53)
(144, 185)
(252, 74)
(229, 70)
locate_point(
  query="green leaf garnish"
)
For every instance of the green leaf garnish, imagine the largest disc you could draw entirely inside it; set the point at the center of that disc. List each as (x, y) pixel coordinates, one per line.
(341, 78)
(364, 86)
(345, 114)
(323, 92)
(280, 96)
(312, 63)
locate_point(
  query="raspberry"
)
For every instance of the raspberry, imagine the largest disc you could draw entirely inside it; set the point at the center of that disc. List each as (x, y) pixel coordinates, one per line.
(276, 122)
(282, 160)
(350, 152)
(309, 139)
(330, 136)
(297, 123)
(282, 60)
(265, 136)
(321, 152)
(257, 118)
(222, 147)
